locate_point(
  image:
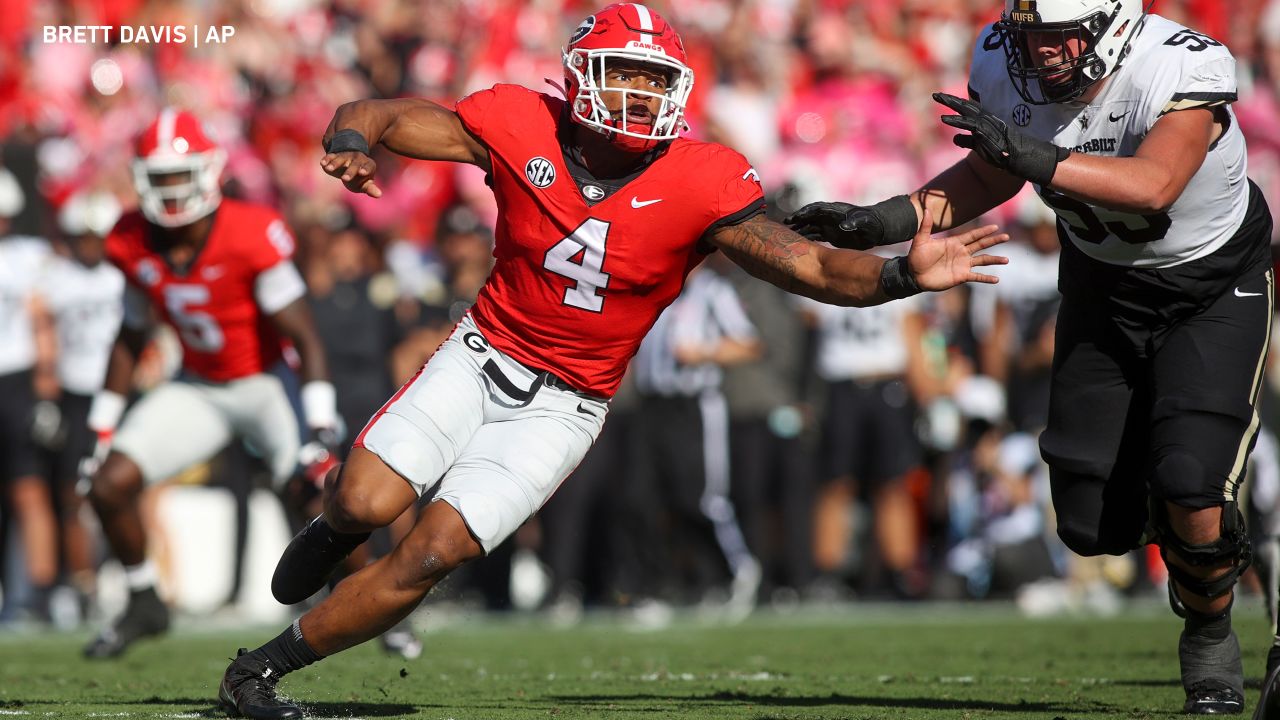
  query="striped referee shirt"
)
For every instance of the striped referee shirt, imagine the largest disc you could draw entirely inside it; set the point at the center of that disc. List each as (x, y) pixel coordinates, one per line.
(707, 312)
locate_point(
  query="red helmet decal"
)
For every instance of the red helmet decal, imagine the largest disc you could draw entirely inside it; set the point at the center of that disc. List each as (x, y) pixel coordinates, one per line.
(174, 132)
(177, 169)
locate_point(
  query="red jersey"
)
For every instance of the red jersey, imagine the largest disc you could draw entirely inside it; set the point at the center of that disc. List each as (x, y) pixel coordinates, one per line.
(225, 333)
(584, 267)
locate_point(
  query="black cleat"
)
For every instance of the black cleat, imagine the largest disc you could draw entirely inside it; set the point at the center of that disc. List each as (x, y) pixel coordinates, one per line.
(1210, 697)
(310, 560)
(1268, 707)
(248, 689)
(145, 616)
(1212, 673)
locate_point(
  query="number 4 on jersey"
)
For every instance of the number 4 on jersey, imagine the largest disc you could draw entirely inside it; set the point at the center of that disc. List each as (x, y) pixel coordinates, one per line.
(580, 257)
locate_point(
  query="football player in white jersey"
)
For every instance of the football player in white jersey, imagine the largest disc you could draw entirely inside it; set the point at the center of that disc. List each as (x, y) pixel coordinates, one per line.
(1122, 121)
(84, 295)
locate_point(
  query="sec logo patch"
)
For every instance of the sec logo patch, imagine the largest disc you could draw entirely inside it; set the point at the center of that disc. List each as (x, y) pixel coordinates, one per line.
(1021, 115)
(540, 172)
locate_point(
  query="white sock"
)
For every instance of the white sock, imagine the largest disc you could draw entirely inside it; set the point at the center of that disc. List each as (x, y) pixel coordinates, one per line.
(140, 576)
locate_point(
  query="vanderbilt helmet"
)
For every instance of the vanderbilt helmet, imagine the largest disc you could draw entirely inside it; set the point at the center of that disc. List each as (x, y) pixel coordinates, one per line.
(1094, 36)
(626, 32)
(176, 170)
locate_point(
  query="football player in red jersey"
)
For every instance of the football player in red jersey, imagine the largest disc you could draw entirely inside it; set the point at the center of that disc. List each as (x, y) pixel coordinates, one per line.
(218, 271)
(603, 210)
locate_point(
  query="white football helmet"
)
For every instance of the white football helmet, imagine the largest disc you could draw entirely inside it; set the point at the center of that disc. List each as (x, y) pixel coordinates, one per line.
(89, 213)
(1103, 29)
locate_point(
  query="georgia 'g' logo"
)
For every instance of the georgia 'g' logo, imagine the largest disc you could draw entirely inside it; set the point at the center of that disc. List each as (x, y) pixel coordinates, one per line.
(592, 192)
(475, 342)
(583, 28)
(540, 172)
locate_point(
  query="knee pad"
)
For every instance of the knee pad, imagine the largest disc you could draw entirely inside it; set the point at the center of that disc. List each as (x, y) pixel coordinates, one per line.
(1232, 544)
(1088, 540)
(1095, 518)
(1178, 474)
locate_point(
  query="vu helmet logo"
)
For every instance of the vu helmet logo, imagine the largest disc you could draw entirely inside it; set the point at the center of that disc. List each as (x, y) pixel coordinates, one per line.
(1025, 12)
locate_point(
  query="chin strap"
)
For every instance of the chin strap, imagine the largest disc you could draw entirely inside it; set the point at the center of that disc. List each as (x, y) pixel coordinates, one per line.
(563, 93)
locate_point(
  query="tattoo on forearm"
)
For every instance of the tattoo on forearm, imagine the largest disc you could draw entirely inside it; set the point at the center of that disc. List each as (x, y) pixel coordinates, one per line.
(769, 250)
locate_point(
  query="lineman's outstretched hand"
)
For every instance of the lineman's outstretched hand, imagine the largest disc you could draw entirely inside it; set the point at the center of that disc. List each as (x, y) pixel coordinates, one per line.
(938, 263)
(354, 167)
(841, 224)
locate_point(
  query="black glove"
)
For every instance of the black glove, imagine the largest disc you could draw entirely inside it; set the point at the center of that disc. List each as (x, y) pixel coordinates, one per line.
(1001, 145)
(854, 226)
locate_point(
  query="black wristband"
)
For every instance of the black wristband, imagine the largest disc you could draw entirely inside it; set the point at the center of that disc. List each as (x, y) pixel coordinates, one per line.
(1040, 161)
(898, 216)
(896, 279)
(347, 140)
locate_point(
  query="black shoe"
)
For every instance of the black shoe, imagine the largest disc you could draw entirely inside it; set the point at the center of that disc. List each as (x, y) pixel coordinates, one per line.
(1210, 697)
(248, 689)
(146, 616)
(309, 561)
(1212, 671)
(1268, 707)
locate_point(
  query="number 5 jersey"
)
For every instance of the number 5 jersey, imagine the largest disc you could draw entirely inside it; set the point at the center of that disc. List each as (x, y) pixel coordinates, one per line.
(221, 303)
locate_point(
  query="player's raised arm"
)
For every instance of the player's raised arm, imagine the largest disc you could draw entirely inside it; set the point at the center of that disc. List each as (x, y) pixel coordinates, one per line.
(1149, 181)
(773, 252)
(411, 127)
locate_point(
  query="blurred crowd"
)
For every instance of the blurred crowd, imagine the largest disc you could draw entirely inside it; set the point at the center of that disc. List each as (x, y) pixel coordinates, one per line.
(886, 452)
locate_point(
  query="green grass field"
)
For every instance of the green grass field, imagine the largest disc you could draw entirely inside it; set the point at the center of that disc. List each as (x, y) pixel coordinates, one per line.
(856, 662)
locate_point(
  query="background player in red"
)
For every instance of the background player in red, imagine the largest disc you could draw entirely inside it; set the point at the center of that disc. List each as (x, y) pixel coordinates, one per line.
(218, 271)
(603, 212)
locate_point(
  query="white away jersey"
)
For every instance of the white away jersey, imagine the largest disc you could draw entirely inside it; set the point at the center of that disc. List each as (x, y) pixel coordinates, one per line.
(858, 343)
(1169, 68)
(22, 259)
(87, 305)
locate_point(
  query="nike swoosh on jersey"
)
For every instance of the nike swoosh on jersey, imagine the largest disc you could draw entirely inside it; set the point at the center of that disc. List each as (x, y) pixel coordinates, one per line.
(582, 408)
(638, 203)
(1117, 118)
(1241, 293)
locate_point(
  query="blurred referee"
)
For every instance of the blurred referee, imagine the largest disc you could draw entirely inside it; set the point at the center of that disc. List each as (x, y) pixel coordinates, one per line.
(681, 443)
